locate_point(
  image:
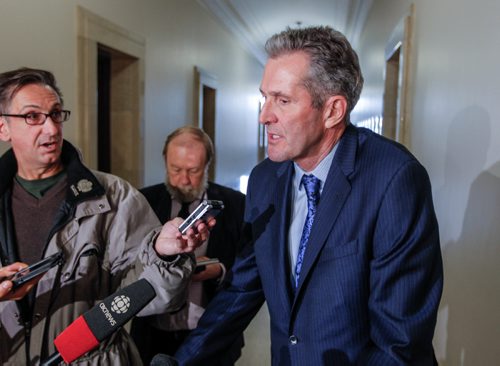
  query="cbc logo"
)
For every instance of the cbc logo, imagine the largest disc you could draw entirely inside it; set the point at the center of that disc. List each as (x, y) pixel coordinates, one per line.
(120, 304)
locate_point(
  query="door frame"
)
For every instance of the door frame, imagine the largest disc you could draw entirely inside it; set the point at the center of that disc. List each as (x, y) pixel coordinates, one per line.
(92, 30)
(397, 104)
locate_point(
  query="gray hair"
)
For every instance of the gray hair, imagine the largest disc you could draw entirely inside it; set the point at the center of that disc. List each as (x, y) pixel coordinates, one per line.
(12, 81)
(334, 66)
(199, 135)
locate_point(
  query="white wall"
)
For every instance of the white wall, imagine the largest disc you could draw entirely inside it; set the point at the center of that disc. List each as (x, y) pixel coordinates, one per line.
(179, 35)
(455, 134)
(455, 129)
(33, 36)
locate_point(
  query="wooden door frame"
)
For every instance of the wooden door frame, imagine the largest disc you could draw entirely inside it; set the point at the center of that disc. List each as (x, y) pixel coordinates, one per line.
(93, 30)
(401, 40)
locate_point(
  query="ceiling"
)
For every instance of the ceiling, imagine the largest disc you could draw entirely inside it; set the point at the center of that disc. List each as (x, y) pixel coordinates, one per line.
(254, 21)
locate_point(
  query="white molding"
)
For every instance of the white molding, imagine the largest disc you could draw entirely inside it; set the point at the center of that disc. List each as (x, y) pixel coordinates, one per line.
(226, 14)
(239, 19)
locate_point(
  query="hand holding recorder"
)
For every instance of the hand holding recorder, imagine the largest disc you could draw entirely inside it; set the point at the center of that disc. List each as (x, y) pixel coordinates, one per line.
(19, 278)
(6, 274)
(206, 211)
(179, 236)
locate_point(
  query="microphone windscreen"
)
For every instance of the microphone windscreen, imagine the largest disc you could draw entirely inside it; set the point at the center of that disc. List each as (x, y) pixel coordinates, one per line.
(103, 319)
(163, 360)
(114, 311)
(75, 340)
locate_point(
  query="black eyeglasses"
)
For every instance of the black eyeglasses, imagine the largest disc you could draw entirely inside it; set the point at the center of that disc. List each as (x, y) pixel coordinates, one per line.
(39, 118)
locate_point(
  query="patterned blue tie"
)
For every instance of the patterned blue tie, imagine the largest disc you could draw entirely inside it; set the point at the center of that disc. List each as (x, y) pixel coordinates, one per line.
(311, 185)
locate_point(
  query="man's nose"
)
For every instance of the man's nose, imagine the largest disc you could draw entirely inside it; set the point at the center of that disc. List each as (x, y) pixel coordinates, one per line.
(51, 127)
(266, 114)
(184, 178)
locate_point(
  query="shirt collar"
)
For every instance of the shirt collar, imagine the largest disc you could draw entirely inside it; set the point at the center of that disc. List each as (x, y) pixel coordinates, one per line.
(320, 172)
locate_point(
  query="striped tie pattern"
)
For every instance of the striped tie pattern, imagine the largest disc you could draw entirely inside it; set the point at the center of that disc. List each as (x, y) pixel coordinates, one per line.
(311, 185)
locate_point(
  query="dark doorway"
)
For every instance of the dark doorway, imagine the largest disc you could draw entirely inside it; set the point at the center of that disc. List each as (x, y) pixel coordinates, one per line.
(209, 121)
(392, 95)
(118, 120)
(111, 97)
(103, 109)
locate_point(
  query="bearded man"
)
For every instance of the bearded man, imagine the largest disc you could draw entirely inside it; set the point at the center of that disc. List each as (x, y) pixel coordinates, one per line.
(188, 152)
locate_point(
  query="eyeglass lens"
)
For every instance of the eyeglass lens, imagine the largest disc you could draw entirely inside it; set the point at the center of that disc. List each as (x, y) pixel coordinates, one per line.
(40, 118)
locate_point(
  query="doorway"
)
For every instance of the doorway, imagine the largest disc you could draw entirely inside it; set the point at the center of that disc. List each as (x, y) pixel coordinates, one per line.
(116, 112)
(205, 107)
(396, 123)
(103, 107)
(392, 89)
(111, 93)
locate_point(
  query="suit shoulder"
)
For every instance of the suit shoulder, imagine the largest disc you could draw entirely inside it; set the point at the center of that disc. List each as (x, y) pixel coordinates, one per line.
(267, 171)
(266, 167)
(153, 191)
(382, 158)
(386, 150)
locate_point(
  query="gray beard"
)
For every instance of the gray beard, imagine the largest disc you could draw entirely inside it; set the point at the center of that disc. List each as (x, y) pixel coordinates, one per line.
(187, 195)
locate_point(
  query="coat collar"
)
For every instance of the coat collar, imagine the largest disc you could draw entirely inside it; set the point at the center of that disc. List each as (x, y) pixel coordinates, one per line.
(82, 184)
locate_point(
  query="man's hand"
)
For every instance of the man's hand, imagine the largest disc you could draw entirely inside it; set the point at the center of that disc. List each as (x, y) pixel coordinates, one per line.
(211, 271)
(172, 242)
(6, 292)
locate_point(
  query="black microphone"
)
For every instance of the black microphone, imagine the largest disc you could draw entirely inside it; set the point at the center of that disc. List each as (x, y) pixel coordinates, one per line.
(163, 360)
(99, 322)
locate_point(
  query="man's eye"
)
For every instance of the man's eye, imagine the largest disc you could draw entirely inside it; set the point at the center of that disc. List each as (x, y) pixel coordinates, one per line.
(33, 116)
(284, 101)
(55, 115)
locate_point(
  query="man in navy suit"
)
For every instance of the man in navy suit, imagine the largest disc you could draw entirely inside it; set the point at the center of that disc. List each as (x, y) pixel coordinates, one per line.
(341, 236)
(188, 152)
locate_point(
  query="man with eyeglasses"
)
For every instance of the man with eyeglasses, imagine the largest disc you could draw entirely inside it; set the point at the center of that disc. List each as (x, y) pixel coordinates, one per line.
(108, 234)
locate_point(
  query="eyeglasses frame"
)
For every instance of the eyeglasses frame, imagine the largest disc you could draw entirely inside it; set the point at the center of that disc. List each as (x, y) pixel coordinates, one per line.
(47, 115)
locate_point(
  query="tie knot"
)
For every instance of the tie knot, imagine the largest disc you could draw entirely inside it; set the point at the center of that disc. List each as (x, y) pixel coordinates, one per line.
(311, 185)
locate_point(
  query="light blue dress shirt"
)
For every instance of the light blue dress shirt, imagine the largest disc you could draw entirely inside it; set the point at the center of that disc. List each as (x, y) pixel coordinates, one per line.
(299, 205)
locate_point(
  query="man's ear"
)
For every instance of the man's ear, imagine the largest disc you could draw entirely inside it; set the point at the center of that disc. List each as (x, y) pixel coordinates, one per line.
(4, 130)
(335, 111)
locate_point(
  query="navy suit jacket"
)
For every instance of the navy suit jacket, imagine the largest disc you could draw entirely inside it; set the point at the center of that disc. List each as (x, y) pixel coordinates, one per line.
(371, 279)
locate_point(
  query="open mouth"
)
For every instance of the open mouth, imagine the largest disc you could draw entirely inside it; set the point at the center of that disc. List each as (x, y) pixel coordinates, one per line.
(273, 137)
(49, 145)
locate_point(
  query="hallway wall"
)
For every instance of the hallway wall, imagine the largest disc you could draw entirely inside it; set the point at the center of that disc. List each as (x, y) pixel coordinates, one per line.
(455, 121)
(455, 134)
(179, 35)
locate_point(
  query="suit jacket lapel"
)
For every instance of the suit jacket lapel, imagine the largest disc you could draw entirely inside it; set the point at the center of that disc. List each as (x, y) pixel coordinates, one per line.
(216, 242)
(335, 192)
(279, 235)
(162, 204)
